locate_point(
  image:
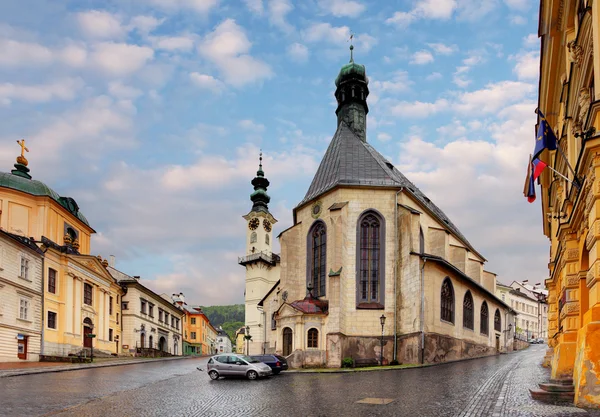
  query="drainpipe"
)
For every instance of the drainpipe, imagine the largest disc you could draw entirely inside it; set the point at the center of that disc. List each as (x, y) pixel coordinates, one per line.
(396, 248)
(43, 315)
(423, 311)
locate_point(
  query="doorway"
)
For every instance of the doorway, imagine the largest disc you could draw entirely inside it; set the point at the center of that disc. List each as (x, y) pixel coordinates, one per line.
(22, 346)
(150, 342)
(162, 344)
(498, 343)
(87, 330)
(287, 341)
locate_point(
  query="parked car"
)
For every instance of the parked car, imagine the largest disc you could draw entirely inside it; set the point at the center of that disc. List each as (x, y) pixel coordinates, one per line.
(234, 364)
(276, 362)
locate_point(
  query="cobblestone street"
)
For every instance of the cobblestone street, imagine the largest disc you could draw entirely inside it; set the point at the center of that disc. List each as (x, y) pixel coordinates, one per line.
(490, 386)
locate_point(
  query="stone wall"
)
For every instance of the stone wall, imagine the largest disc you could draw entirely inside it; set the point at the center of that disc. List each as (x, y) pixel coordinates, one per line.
(441, 348)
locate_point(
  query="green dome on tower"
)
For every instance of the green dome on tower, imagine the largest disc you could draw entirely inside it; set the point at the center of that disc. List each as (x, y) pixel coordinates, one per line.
(352, 70)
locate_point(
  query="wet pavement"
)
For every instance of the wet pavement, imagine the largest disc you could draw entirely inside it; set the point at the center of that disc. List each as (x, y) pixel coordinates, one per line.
(487, 387)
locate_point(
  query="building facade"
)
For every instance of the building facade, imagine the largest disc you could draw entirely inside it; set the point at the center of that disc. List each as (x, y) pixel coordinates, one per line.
(223, 343)
(240, 340)
(540, 295)
(369, 258)
(528, 315)
(569, 96)
(21, 266)
(195, 331)
(79, 294)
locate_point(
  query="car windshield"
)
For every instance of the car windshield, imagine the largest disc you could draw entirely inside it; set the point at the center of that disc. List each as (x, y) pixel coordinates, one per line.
(248, 359)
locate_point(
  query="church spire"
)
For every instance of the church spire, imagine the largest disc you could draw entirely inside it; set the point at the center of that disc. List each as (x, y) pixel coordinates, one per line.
(351, 95)
(259, 197)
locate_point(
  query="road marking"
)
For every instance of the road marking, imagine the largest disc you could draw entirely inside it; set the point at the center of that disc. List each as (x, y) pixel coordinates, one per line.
(379, 401)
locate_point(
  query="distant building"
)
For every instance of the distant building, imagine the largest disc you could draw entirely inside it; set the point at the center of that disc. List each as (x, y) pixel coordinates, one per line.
(223, 343)
(21, 294)
(195, 335)
(211, 339)
(530, 311)
(240, 341)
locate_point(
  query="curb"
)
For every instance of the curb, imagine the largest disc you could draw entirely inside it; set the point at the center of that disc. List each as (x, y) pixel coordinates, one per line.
(35, 371)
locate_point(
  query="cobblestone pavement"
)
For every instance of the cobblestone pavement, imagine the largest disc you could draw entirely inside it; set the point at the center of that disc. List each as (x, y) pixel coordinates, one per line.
(487, 387)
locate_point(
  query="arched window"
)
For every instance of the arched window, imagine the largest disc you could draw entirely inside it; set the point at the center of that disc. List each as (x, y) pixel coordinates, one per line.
(484, 325)
(253, 237)
(317, 249)
(313, 338)
(447, 301)
(468, 311)
(267, 239)
(497, 321)
(421, 240)
(370, 259)
(150, 342)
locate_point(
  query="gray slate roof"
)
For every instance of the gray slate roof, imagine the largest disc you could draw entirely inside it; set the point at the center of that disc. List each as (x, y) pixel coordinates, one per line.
(350, 161)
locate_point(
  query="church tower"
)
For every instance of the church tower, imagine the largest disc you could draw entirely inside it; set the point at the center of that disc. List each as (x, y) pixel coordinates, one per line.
(262, 265)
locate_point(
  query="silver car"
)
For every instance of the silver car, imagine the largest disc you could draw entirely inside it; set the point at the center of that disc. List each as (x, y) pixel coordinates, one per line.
(234, 364)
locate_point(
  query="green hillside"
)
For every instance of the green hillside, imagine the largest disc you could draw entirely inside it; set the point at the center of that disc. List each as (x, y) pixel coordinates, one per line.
(230, 317)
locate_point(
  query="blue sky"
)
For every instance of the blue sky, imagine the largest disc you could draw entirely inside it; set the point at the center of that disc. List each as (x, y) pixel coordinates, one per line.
(151, 114)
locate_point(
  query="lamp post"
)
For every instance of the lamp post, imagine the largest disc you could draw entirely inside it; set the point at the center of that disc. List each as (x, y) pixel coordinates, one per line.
(91, 336)
(247, 340)
(382, 320)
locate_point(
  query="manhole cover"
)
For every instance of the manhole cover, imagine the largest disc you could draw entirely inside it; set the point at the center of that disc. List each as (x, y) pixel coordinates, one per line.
(380, 401)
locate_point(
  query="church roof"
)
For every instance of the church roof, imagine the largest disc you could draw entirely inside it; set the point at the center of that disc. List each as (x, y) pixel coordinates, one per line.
(350, 161)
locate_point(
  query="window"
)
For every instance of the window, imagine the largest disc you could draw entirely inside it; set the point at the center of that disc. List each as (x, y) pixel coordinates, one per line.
(177, 324)
(166, 318)
(468, 311)
(110, 301)
(484, 325)
(51, 281)
(143, 306)
(87, 294)
(447, 301)
(497, 321)
(110, 335)
(160, 315)
(24, 309)
(51, 320)
(253, 237)
(317, 248)
(503, 296)
(117, 318)
(193, 335)
(370, 238)
(151, 310)
(24, 268)
(313, 338)
(273, 322)
(267, 239)
(193, 320)
(125, 305)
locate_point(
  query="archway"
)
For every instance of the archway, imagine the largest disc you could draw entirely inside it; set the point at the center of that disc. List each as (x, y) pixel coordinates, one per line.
(88, 327)
(142, 340)
(175, 348)
(287, 341)
(162, 344)
(150, 342)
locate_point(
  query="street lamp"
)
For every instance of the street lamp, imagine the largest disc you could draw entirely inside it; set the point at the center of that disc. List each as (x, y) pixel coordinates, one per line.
(382, 320)
(247, 336)
(91, 336)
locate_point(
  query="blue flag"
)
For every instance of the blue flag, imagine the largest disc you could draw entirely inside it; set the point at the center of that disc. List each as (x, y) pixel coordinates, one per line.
(545, 138)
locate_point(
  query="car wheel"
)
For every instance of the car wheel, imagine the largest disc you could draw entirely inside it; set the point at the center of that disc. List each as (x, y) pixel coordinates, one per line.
(213, 375)
(252, 375)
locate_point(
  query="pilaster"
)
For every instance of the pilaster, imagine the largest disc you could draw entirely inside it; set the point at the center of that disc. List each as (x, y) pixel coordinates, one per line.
(69, 303)
(77, 325)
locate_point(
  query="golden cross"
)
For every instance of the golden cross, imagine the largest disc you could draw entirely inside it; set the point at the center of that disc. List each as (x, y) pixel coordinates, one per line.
(23, 147)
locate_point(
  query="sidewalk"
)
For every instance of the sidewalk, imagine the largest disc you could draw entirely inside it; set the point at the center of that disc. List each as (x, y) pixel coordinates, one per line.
(8, 369)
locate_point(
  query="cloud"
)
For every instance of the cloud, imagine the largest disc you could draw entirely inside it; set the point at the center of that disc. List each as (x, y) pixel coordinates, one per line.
(418, 109)
(383, 137)
(443, 49)
(255, 6)
(425, 9)
(74, 55)
(251, 126)
(145, 24)
(527, 66)
(324, 32)
(531, 41)
(397, 83)
(120, 59)
(173, 43)
(298, 52)
(23, 54)
(199, 6)
(433, 76)
(65, 89)
(207, 82)
(422, 57)
(517, 20)
(522, 5)
(119, 90)
(278, 10)
(342, 8)
(227, 47)
(493, 97)
(99, 24)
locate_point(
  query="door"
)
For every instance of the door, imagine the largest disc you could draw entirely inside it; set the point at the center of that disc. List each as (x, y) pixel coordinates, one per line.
(22, 347)
(287, 341)
(162, 344)
(498, 343)
(87, 340)
(237, 366)
(222, 365)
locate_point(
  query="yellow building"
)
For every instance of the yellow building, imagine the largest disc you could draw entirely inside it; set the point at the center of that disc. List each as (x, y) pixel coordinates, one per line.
(195, 331)
(240, 340)
(80, 296)
(570, 99)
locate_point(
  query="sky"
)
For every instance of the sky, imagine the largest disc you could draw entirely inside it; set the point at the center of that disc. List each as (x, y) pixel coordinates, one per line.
(152, 113)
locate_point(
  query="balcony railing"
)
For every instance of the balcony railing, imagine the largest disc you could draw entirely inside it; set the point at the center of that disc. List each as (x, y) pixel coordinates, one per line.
(268, 257)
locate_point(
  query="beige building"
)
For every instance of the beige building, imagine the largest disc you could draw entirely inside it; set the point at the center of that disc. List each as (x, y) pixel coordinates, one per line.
(152, 324)
(540, 295)
(369, 257)
(529, 311)
(21, 263)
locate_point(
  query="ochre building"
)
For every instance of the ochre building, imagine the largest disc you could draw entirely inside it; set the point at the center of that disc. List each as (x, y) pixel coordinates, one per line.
(569, 97)
(368, 261)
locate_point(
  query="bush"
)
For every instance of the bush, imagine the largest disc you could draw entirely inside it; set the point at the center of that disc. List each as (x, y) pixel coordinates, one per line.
(347, 363)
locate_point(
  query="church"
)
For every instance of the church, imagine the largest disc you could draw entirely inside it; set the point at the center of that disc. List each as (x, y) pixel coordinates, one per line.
(371, 268)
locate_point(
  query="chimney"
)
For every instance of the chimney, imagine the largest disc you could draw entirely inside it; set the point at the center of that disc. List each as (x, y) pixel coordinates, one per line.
(111, 261)
(137, 277)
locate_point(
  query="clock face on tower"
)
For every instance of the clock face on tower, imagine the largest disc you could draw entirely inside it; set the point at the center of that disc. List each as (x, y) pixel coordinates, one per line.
(267, 225)
(253, 224)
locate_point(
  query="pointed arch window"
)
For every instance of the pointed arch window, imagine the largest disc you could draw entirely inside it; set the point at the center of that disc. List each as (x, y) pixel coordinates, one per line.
(497, 321)
(317, 250)
(484, 325)
(370, 260)
(468, 311)
(447, 301)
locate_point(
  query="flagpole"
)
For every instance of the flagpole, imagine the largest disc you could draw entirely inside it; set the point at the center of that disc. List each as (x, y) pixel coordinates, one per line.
(576, 184)
(566, 160)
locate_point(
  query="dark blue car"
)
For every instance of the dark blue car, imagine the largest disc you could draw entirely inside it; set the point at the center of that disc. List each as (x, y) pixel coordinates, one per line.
(276, 362)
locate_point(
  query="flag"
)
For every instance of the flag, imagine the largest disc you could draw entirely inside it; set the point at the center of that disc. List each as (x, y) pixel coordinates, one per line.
(529, 188)
(545, 138)
(538, 168)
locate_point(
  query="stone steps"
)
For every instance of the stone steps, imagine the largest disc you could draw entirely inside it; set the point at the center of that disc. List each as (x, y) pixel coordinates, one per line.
(556, 387)
(556, 391)
(561, 381)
